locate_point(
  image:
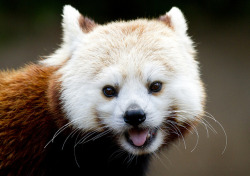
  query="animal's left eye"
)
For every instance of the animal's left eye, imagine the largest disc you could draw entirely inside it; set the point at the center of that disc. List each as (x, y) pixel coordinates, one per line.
(109, 91)
(155, 86)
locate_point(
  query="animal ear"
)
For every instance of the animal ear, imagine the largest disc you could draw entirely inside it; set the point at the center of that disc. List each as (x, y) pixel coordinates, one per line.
(75, 24)
(175, 20)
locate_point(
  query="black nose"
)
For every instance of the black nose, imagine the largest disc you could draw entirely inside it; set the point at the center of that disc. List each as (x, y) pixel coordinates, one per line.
(134, 115)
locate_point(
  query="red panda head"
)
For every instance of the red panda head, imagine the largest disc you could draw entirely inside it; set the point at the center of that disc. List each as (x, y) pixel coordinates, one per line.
(137, 80)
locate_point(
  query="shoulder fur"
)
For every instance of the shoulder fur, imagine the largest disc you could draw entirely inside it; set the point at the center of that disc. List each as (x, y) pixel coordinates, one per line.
(26, 121)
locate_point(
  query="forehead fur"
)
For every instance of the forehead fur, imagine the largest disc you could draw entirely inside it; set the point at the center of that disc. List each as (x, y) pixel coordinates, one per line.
(133, 44)
(123, 42)
(141, 36)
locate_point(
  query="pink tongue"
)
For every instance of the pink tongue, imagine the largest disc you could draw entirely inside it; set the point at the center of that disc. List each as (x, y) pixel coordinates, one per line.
(138, 137)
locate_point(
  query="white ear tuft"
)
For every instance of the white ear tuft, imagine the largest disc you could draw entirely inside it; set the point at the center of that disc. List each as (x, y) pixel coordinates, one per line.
(75, 27)
(70, 24)
(178, 22)
(71, 32)
(175, 20)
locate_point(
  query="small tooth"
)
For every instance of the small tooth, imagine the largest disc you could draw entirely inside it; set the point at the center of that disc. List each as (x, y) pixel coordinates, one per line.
(148, 136)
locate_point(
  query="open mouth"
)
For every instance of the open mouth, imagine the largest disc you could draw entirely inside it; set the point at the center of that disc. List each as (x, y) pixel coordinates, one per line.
(140, 138)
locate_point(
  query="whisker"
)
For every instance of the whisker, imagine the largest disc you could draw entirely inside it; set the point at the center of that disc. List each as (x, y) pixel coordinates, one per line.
(97, 136)
(162, 153)
(197, 134)
(75, 151)
(210, 116)
(130, 159)
(177, 148)
(226, 140)
(63, 128)
(84, 138)
(189, 123)
(184, 126)
(72, 133)
(179, 133)
(205, 126)
(60, 130)
(155, 154)
(119, 152)
(209, 126)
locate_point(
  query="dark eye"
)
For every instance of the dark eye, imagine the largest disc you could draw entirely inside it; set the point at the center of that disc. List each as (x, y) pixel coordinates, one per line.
(109, 91)
(155, 86)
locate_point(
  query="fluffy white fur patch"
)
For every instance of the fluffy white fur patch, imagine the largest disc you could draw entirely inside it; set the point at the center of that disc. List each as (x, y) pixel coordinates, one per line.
(178, 21)
(72, 32)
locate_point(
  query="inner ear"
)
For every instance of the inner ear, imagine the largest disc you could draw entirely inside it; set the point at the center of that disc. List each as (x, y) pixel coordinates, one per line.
(166, 19)
(175, 20)
(86, 24)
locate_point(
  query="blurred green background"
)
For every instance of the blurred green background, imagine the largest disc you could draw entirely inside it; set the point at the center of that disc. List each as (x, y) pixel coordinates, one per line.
(221, 30)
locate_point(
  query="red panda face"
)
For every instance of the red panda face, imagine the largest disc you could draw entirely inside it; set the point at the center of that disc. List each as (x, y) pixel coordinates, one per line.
(137, 81)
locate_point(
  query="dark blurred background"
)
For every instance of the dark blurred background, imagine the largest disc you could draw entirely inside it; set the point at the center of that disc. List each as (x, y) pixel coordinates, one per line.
(221, 30)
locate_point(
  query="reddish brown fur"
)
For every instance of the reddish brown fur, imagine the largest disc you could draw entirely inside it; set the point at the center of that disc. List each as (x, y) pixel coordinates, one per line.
(86, 24)
(26, 120)
(134, 28)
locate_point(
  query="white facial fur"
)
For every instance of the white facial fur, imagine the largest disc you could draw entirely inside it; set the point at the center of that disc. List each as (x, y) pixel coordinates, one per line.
(129, 56)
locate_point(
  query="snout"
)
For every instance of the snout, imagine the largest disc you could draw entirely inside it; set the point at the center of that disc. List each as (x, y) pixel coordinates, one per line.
(139, 136)
(134, 115)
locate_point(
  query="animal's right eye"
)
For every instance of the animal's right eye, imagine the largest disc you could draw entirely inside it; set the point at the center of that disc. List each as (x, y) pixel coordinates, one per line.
(155, 86)
(109, 91)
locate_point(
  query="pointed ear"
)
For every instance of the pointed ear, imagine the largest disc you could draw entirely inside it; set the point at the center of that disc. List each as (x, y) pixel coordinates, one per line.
(74, 24)
(175, 20)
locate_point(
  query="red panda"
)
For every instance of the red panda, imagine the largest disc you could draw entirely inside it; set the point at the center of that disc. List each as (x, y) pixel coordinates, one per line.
(107, 99)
